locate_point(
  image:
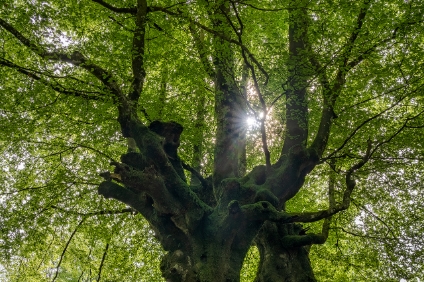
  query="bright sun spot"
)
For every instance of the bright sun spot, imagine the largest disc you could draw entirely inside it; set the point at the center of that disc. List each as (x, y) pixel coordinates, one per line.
(251, 121)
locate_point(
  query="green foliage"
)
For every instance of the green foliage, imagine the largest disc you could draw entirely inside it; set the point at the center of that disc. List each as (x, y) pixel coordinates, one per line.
(53, 144)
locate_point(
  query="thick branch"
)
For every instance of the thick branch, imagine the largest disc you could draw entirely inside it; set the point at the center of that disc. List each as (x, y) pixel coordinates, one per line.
(296, 103)
(151, 182)
(138, 52)
(247, 219)
(109, 189)
(350, 185)
(201, 50)
(331, 93)
(259, 211)
(295, 241)
(143, 204)
(152, 147)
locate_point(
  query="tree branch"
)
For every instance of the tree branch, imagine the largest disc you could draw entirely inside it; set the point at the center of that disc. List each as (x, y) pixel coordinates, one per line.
(66, 247)
(296, 132)
(330, 94)
(116, 9)
(360, 126)
(350, 185)
(150, 182)
(127, 109)
(239, 34)
(202, 180)
(139, 72)
(214, 32)
(94, 213)
(295, 241)
(59, 88)
(102, 262)
(76, 58)
(170, 194)
(201, 50)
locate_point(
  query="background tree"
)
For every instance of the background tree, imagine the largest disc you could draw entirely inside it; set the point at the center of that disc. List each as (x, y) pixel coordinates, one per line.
(290, 112)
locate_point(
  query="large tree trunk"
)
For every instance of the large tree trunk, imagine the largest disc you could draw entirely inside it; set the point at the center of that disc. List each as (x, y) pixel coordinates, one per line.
(207, 231)
(282, 258)
(208, 257)
(205, 258)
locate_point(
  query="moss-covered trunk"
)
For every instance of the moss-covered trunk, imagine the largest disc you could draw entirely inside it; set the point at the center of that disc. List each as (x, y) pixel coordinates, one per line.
(204, 260)
(282, 257)
(209, 258)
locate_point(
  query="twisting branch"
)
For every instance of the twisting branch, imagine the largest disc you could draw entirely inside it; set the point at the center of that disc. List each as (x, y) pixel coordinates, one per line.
(348, 65)
(403, 127)
(264, 111)
(126, 109)
(239, 36)
(331, 93)
(350, 185)
(311, 238)
(359, 127)
(389, 229)
(66, 247)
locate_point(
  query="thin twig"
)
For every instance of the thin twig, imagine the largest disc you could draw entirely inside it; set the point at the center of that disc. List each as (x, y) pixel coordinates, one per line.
(66, 247)
(102, 262)
(94, 213)
(359, 127)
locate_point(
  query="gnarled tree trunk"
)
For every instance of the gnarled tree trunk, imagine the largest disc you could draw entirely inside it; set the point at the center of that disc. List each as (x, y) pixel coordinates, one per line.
(282, 256)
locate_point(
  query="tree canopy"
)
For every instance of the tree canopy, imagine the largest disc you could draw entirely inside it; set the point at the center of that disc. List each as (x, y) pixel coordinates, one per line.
(301, 129)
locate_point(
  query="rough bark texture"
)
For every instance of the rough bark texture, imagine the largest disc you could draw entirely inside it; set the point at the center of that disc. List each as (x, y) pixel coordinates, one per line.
(282, 255)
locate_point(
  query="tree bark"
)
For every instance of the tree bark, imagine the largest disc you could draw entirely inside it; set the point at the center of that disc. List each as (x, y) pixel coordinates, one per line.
(282, 257)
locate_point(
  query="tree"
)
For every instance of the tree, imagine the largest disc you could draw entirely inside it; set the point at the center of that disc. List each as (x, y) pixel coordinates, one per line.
(332, 90)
